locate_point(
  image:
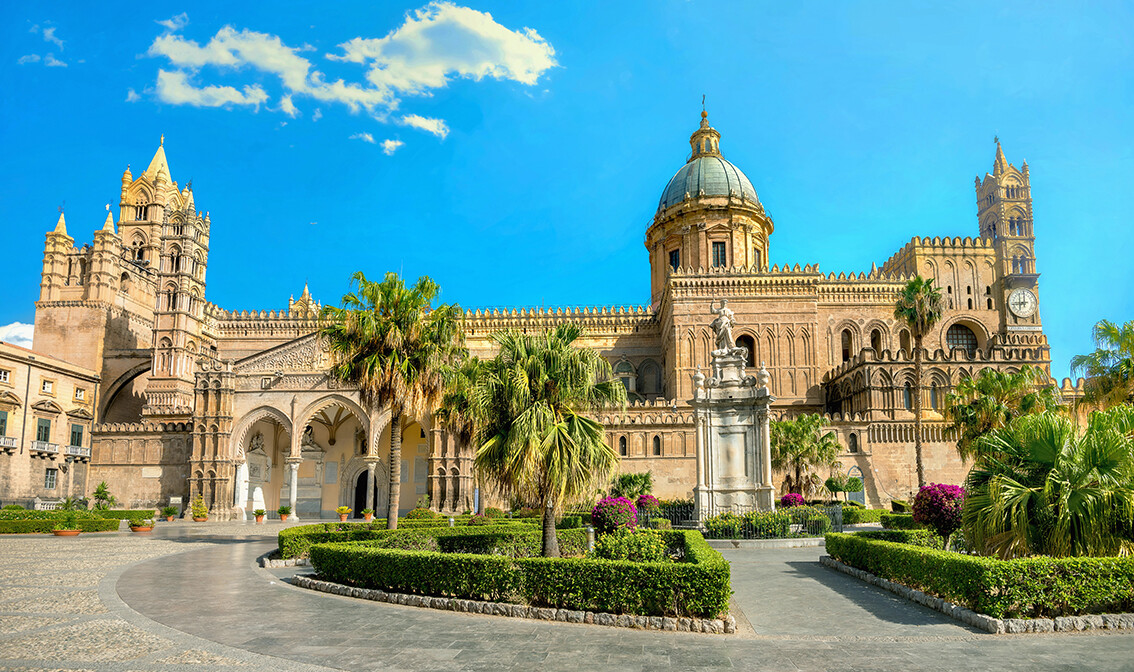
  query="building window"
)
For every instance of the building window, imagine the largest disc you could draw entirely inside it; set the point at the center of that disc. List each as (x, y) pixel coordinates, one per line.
(846, 339)
(749, 344)
(907, 397)
(876, 341)
(80, 394)
(988, 303)
(904, 341)
(675, 259)
(852, 443)
(757, 260)
(657, 445)
(76, 435)
(49, 478)
(960, 336)
(720, 255)
(3, 423)
(43, 430)
(48, 387)
(5, 376)
(622, 446)
(933, 397)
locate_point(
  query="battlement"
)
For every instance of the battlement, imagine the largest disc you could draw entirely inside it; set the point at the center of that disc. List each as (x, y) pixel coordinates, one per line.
(1017, 349)
(937, 245)
(592, 317)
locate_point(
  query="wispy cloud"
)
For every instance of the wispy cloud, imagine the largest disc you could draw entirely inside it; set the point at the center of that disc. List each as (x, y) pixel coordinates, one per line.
(317, 114)
(391, 146)
(288, 108)
(28, 58)
(49, 59)
(48, 35)
(174, 87)
(17, 333)
(365, 137)
(175, 23)
(437, 127)
(52, 62)
(132, 96)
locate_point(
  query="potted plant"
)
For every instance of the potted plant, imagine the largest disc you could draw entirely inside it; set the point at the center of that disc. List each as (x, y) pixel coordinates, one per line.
(68, 526)
(259, 513)
(200, 511)
(284, 511)
(169, 513)
(141, 524)
(368, 515)
(343, 512)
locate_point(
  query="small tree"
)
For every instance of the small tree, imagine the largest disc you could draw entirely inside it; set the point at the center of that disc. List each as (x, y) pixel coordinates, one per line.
(835, 484)
(939, 507)
(102, 497)
(799, 447)
(1109, 370)
(994, 398)
(632, 485)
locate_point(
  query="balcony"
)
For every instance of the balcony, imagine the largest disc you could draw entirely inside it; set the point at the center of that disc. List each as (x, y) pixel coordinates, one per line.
(9, 444)
(82, 453)
(44, 449)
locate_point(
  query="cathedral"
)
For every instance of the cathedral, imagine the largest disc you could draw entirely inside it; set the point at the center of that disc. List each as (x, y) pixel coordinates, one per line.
(238, 407)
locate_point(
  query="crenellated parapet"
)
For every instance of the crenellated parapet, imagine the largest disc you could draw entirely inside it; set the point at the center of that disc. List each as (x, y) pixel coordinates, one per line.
(904, 261)
(594, 320)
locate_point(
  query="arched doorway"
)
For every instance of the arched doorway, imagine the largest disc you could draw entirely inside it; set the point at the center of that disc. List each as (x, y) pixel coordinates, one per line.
(360, 495)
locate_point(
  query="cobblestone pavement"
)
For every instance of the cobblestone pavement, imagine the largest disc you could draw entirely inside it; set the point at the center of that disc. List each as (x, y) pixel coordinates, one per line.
(190, 598)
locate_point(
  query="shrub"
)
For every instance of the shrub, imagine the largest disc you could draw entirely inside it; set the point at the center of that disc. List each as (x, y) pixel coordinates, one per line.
(46, 525)
(102, 497)
(343, 510)
(569, 523)
(167, 511)
(643, 546)
(647, 504)
(697, 587)
(852, 504)
(480, 520)
(938, 507)
(813, 522)
(198, 507)
(900, 506)
(68, 522)
(493, 512)
(926, 538)
(1039, 587)
(632, 485)
(125, 514)
(792, 499)
(525, 512)
(294, 542)
(259, 512)
(613, 513)
(511, 543)
(660, 524)
(31, 514)
(421, 513)
(725, 525)
(770, 524)
(900, 521)
(284, 510)
(854, 515)
(13, 507)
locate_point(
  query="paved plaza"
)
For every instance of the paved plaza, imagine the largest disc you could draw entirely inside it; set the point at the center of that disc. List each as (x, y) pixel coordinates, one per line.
(191, 598)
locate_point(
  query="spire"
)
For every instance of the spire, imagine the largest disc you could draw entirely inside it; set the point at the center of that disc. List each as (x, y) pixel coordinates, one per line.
(1001, 164)
(61, 225)
(109, 224)
(705, 141)
(158, 164)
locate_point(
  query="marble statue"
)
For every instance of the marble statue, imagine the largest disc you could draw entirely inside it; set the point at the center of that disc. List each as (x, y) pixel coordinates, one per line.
(723, 325)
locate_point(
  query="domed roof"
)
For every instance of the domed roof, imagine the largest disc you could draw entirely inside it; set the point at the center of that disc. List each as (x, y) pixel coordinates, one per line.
(707, 173)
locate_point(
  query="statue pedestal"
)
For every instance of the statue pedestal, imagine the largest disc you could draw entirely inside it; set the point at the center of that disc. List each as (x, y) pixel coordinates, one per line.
(733, 437)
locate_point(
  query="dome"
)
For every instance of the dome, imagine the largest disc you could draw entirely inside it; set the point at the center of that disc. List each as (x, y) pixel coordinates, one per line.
(707, 173)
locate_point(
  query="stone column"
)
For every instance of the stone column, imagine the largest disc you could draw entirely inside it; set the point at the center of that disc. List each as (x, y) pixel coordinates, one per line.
(293, 484)
(371, 467)
(766, 446)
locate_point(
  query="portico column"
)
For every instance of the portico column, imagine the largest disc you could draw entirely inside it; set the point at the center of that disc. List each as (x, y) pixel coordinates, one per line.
(371, 467)
(293, 484)
(766, 445)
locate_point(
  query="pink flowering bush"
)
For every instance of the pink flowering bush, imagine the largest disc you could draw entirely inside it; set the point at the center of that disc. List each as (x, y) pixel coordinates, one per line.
(614, 513)
(791, 499)
(938, 507)
(648, 504)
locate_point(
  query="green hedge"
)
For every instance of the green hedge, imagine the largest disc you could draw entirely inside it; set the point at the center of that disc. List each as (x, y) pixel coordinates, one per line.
(46, 525)
(926, 538)
(509, 542)
(1039, 587)
(900, 521)
(854, 515)
(295, 541)
(127, 514)
(699, 586)
(28, 514)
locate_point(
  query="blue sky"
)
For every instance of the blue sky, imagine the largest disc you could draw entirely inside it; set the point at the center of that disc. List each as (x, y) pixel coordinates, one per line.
(515, 152)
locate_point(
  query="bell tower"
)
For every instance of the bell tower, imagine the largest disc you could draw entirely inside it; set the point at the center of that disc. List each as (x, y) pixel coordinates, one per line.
(1004, 212)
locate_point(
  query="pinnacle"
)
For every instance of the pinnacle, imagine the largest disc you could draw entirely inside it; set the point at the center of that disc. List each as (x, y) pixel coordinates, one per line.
(109, 224)
(61, 225)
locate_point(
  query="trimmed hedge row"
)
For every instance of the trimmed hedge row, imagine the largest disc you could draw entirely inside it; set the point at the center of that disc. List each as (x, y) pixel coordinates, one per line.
(854, 515)
(926, 538)
(697, 587)
(127, 514)
(900, 521)
(28, 514)
(294, 542)
(46, 525)
(1039, 587)
(525, 544)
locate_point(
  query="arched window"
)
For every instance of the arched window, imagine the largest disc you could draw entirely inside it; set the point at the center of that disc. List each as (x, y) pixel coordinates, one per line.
(747, 342)
(846, 340)
(989, 303)
(876, 341)
(124, 283)
(933, 397)
(907, 397)
(622, 446)
(904, 341)
(960, 336)
(852, 443)
(657, 445)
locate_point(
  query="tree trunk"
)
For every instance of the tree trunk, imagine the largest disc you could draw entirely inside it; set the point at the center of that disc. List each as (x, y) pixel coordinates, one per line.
(550, 540)
(395, 470)
(479, 493)
(917, 412)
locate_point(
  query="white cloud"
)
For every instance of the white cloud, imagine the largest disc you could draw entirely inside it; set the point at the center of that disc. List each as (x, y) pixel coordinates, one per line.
(132, 96)
(52, 62)
(443, 39)
(175, 23)
(29, 58)
(317, 115)
(391, 146)
(365, 137)
(174, 87)
(49, 36)
(288, 108)
(437, 127)
(17, 333)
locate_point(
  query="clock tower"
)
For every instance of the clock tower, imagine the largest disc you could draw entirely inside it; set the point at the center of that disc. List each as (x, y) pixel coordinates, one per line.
(1004, 211)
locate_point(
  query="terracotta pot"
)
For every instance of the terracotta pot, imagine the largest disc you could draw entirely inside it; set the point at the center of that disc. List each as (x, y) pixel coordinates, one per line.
(200, 520)
(66, 533)
(169, 519)
(141, 529)
(342, 517)
(259, 519)
(368, 517)
(283, 516)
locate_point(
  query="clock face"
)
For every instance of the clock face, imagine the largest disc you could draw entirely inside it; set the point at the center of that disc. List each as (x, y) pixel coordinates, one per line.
(1022, 303)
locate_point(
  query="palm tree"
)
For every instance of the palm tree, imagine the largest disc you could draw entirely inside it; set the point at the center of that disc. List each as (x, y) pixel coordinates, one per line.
(536, 441)
(994, 398)
(919, 307)
(1110, 368)
(800, 447)
(387, 340)
(1039, 488)
(457, 412)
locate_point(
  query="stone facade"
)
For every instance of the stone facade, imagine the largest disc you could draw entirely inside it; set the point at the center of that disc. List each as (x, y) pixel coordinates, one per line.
(236, 406)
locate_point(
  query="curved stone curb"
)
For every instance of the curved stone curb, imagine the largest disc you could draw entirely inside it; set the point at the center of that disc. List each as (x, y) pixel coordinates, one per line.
(796, 542)
(996, 626)
(269, 563)
(706, 625)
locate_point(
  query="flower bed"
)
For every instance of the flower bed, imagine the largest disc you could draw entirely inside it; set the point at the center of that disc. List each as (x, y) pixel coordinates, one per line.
(699, 586)
(1039, 587)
